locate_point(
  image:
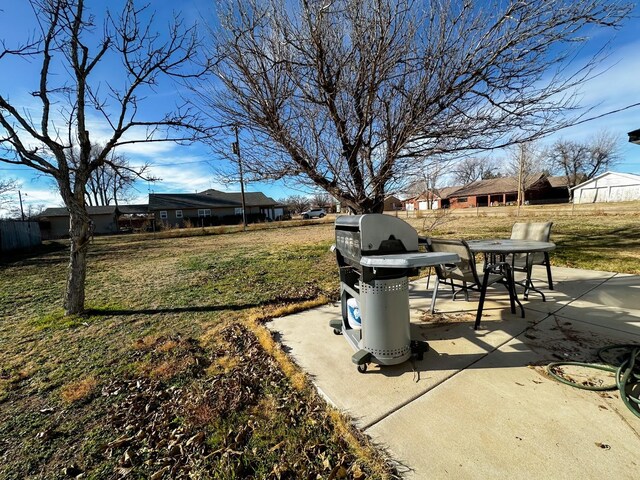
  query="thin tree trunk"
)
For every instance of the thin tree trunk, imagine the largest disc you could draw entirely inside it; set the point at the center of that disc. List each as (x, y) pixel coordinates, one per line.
(79, 234)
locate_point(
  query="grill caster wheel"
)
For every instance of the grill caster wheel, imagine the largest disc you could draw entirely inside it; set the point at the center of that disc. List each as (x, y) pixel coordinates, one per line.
(362, 368)
(337, 332)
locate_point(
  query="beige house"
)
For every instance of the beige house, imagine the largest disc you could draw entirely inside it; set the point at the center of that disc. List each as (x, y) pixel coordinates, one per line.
(54, 222)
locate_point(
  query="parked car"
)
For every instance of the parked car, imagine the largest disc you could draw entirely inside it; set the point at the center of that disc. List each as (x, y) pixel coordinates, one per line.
(314, 213)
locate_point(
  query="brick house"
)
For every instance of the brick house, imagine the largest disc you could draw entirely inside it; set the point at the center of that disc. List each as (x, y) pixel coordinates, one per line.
(540, 189)
(430, 199)
(392, 203)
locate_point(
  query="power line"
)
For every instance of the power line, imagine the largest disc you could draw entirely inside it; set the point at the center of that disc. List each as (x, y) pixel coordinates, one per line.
(618, 110)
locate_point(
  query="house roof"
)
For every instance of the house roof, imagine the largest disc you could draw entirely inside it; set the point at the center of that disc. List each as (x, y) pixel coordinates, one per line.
(133, 209)
(558, 182)
(495, 186)
(64, 212)
(208, 199)
(628, 177)
(444, 192)
(253, 199)
(441, 193)
(420, 196)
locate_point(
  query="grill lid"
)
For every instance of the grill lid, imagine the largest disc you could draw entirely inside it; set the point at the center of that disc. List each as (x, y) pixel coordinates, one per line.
(379, 233)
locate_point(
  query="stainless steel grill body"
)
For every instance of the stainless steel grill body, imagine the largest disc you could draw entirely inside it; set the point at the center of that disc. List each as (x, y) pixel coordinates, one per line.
(376, 254)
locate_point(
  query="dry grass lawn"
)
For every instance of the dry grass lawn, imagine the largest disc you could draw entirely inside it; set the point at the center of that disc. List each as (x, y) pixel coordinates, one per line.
(171, 373)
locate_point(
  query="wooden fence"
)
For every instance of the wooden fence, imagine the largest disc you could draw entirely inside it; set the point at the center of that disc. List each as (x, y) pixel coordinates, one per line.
(19, 235)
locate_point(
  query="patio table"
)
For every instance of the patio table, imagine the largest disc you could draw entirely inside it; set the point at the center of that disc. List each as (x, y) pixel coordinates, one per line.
(495, 252)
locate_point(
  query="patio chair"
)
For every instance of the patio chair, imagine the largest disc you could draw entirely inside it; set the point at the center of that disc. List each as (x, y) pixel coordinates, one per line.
(522, 262)
(463, 274)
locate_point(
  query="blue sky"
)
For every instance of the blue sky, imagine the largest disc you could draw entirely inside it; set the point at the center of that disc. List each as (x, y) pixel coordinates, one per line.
(189, 168)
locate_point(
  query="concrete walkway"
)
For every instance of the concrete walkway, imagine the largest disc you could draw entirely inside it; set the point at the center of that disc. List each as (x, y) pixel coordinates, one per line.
(479, 405)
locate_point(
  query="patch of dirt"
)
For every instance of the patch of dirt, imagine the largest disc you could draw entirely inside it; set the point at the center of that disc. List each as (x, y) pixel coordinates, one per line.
(443, 318)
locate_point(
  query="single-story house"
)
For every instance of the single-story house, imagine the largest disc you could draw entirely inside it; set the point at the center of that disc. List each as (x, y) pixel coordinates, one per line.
(212, 207)
(431, 199)
(539, 189)
(134, 217)
(392, 203)
(54, 222)
(608, 187)
(422, 201)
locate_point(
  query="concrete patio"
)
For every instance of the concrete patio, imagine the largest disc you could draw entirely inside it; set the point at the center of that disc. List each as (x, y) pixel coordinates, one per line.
(479, 404)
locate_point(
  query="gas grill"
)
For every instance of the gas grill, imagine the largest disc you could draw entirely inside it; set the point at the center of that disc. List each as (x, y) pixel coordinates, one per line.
(376, 254)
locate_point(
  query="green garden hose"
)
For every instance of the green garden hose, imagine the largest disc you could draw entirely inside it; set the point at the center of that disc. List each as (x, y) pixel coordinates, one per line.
(626, 368)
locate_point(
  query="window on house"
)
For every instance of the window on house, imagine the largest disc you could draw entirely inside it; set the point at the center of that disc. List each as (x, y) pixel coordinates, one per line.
(163, 214)
(204, 212)
(238, 211)
(178, 213)
(462, 199)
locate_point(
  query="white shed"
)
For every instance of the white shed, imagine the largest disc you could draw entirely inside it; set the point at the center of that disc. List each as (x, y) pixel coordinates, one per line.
(608, 187)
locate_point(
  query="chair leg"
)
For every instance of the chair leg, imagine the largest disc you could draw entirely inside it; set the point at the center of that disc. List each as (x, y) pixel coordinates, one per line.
(463, 289)
(548, 265)
(528, 282)
(428, 278)
(513, 296)
(483, 293)
(508, 278)
(434, 295)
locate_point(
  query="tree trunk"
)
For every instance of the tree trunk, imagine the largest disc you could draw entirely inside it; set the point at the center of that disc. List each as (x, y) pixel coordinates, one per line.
(79, 234)
(373, 204)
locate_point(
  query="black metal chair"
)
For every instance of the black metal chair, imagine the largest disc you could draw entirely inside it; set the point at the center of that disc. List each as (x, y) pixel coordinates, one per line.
(464, 274)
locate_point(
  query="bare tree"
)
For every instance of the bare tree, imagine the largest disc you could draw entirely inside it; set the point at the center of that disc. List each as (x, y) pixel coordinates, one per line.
(471, 169)
(525, 163)
(350, 95)
(113, 179)
(28, 212)
(426, 182)
(70, 94)
(580, 161)
(321, 200)
(6, 186)
(296, 203)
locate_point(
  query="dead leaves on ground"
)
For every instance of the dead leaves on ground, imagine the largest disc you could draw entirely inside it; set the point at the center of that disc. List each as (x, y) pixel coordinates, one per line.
(245, 422)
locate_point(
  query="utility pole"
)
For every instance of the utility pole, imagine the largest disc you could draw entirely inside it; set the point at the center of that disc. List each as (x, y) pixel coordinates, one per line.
(520, 177)
(21, 209)
(236, 150)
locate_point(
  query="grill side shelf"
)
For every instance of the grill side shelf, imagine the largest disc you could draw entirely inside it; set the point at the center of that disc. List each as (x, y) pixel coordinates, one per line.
(408, 260)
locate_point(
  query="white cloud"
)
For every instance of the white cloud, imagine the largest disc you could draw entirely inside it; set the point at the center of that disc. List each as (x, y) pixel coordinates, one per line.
(148, 149)
(183, 178)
